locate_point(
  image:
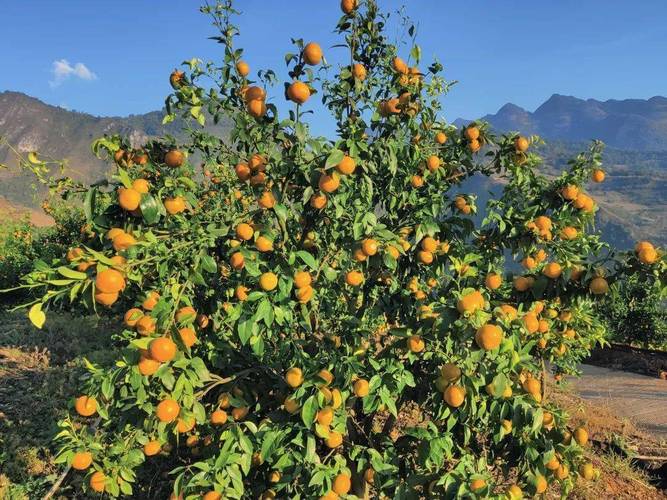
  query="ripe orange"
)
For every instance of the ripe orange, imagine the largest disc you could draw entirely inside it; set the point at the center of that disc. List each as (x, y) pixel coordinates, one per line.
(263, 244)
(540, 484)
(489, 337)
(531, 322)
(298, 92)
(268, 281)
(477, 484)
(291, 406)
(354, 278)
(472, 133)
(581, 436)
(521, 144)
(318, 201)
(244, 231)
(145, 325)
(82, 460)
(416, 343)
(522, 283)
(185, 314)
(174, 205)
(587, 471)
(369, 246)
(342, 484)
(598, 286)
(242, 171)
(425, 257)
(454, 395)
(132, 316)
(325, 416)
(97, 481)
(470, 302)
(167, 410)
(643, 245)
(241, 293)
(568, 233)
(243, 68)
(493, 281)
(552, 270)
(85, 406)
(304, 294)
(433, 163)
(598, 175)
(417, 181)
(570, 192)
(162, 349)
(106, 299)
(450, 372)
(174, 158)
(326, 376)
(152, 448)
(212, 495)
(440, 138)
(507, 311)
(267, 200)
(74, 253)
(294, 377)
(312, 54)
(147, 366)
(240, 413)
(399, 65)
(188, 337)
(109, 281)
(237, 261)
(123, 241)
(346, 166)
(128, 199)
(429, 244)
(474, 145)
(334, 440)
(184, 425)
(361, 388)
(255, 93)
(329, 183)
(533, 387)
(359, 72)
(302, 279)
(648, 255)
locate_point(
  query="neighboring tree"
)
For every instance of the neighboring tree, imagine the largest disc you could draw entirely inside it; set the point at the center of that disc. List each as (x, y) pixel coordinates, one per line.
(312, 317)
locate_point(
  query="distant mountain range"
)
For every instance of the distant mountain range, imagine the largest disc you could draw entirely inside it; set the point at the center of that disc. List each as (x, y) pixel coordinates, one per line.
(633, 199)
(632, 124)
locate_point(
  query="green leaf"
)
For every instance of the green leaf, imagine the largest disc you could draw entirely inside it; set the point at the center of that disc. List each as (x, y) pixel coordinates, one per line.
(307, 259)
(309, 410)
(208, 264)
(37, 316)
(334, 158)
(72, 274)
(150, 209)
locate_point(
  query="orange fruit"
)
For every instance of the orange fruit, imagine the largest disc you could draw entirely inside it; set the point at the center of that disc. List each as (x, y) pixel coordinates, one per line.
(540, 484)
(162, 349)
(416, 343)
(312, 54)
(219, 417)
(440, 138)
(325, 416)
(472, 133)
(242, 171)
(587, 471)
(113, 232)
(174, 158)
(643, 245)
(152, 448)
(429, 244)
(329, 183)
(109, 281)
(470, 302)
(128, 199)
(298, 92)
(132, 316)
(241, 293)
(188, 337)
(294, 377)
(493, 281)
(334, 440)
(598, 175)
(82, 460)
(74, 253)
(97, 481)
(417, 181)
(552, 270)
(346, 166)
(212, 495)
(302, 279)
(185, 314)
(568, 233)
(268, 281)
(342, 484)
(123, 242)
(531, 322)
(174, 205)
(489, 337)
(106, 299)
(304, 294)
(167, 410)
(450, 372)
(359, 72)
(145, 325)
(369, 246)
(237, 261)
(141, 186)
(291, 406)
(454, 395)
(361, 388)
(354, 278)
(318, 201)
(425, 257)
(521, 144)
(598, 286)
(151, 301)
(85, 406)
(255, 93)
(263, 244)
(147, 366)
(267, 200)
(522, 283)
(243, 68)
(244, 231)
(185, 425)
(570, 192)
(648, 255)
(581, 436)
(433, 163)
(477, 484)
(507, 311)
(399, 65)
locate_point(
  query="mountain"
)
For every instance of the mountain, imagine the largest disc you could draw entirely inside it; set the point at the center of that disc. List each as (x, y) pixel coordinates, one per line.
(631, 124)
(31, 125)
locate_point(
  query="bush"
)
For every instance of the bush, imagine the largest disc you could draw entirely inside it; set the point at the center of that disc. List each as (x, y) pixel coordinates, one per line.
(310, 317)
(635, 313)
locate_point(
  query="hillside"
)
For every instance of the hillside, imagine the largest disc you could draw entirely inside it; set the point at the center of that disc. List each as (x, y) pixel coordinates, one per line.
(630, 124)
(31, 125)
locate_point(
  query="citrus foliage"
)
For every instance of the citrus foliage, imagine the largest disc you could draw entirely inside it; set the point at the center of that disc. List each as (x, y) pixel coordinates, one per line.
(308, 317)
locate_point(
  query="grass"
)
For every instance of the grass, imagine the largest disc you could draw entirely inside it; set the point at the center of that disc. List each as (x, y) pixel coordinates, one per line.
(40, 371)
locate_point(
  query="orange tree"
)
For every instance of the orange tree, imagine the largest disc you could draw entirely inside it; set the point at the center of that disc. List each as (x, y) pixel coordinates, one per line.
(307, 317)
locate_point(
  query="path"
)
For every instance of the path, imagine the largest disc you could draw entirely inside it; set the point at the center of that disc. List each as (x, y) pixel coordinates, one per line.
(637, 397)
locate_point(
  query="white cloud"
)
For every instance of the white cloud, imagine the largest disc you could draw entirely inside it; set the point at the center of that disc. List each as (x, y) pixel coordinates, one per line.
(62, 70)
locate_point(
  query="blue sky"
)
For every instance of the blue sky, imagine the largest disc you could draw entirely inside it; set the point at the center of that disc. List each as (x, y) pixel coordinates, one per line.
(114, 57)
